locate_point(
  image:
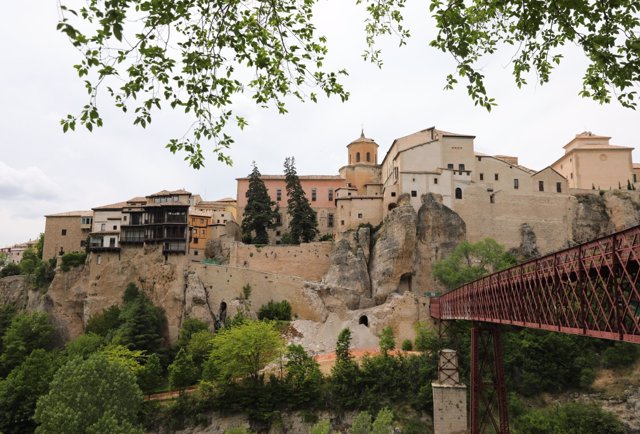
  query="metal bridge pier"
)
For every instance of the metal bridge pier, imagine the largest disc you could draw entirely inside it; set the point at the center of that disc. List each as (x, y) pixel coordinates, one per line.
(488, 390)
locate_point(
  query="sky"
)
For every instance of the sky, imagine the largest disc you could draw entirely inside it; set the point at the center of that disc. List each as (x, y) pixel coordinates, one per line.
(43, 171)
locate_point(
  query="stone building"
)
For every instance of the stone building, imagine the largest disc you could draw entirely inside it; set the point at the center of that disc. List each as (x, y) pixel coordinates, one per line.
(474, 185)
(591, 162)
(66, 232)
(105, 232)
(319, 189)
(15, 251)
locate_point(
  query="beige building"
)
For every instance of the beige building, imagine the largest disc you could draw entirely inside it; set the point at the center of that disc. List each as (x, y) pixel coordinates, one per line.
(66, 232)
(14, 252)
(591, 162)
(105, 232)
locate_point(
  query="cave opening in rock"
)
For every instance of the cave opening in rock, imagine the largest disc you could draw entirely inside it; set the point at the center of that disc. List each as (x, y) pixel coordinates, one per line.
(364, 321)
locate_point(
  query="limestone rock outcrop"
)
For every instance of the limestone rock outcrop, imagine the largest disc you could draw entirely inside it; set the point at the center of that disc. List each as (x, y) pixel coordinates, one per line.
(392, 256)
(528, 248)
(196, 301)
(14, 290)
(348, 275)
(439, 230)
(592, 219)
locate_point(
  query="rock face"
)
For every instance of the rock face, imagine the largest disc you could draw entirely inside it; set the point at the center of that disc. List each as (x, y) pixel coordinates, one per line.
(392, 255)
(14, 290)
(592, 219)
(366, 269)
(528, 248)
(196, 301)
(348, 275)
(439, 231)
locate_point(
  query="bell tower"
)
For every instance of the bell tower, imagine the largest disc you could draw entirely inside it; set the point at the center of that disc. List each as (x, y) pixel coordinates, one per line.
(363, 150)
(362, 172)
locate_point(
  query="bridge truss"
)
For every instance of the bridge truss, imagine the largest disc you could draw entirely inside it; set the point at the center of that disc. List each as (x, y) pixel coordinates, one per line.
(592, 289)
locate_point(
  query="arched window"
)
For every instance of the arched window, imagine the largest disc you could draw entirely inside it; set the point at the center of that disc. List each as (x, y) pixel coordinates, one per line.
(368, 157)
(458, 193)
(357, 157)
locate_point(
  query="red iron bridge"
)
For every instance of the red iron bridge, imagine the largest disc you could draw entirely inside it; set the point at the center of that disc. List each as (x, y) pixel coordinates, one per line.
(592, 289)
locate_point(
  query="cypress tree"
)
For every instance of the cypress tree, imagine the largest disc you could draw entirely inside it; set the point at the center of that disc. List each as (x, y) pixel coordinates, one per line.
(303, 225)
(259, 214)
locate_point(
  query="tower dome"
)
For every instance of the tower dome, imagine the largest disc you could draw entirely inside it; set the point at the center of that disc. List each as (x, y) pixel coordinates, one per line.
(363, 150)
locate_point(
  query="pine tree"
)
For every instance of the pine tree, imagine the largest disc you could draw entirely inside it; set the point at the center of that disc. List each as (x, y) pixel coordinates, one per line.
(303, 225)
(259, 214)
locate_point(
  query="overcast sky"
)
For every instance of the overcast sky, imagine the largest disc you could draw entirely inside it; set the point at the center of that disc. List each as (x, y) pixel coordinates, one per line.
(44, 171)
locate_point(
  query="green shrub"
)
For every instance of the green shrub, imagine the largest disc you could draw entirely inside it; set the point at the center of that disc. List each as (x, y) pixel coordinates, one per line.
(620, 354)
(10, 269)
(326, 237)
(407, 345)
(72, 259)
(275, 310)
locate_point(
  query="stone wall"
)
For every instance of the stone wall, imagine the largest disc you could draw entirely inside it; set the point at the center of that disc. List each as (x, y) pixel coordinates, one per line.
(549, 215)
(308, 260)
(225, 283)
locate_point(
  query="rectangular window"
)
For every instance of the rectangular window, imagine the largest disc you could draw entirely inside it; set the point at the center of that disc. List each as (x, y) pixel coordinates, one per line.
(450, 166)
(635, 178)
(330, 195)
(516, 184)
(83, 243)
(64, 232)
(330, 220)
(541, 185)
(103, 227)
(414, 193)
(279, 195)
(314, 194)
(359, 215)
(195, 252)
(435, 180)
(115, 227)
(496, 177)
(341, 222)
(195, 241)
(558, 187)
(393, 194)
(571, 175)
(460, 166)
(86, 220)
(482, 177)
(277, 233)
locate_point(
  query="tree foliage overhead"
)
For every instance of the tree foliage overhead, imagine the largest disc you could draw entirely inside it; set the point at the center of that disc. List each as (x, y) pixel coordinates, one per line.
(259, 214)
(197, 56)
(606, 31)
(303, 225)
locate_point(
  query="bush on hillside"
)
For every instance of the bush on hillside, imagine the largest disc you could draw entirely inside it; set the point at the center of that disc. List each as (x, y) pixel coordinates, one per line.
(275, 310)
(72, 259)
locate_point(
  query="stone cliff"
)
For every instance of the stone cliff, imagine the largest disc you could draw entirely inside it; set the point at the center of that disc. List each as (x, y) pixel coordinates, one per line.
(367, 271)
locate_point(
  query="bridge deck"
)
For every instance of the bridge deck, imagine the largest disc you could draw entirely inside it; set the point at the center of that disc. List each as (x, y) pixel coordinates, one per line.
(592, 289)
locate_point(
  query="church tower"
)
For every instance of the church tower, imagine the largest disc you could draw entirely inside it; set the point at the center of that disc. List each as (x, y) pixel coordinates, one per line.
(362, 172)
(363, 150)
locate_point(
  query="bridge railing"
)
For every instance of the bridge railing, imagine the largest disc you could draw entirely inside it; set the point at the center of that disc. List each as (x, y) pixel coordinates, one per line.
(592, 289)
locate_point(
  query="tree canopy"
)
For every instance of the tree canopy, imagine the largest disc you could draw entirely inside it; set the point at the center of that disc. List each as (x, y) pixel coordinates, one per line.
(197, 56)
(259, 214)
(469, 262)
(244, 350)
(303, 224)
(82, 398)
